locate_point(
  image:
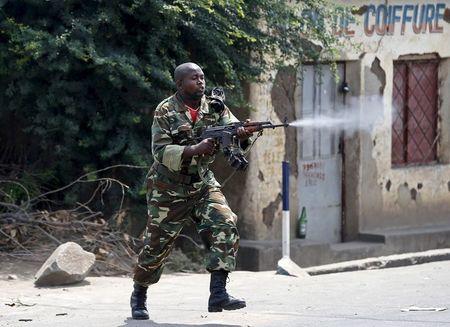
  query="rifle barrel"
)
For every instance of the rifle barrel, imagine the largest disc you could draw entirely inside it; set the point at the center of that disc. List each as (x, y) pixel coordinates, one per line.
(276, 125)
(264, 124)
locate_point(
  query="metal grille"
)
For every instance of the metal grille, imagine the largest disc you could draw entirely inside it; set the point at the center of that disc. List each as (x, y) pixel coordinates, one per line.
(414, 120)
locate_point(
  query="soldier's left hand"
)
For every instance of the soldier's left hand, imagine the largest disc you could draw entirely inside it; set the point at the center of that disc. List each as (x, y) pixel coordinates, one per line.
(243, 133)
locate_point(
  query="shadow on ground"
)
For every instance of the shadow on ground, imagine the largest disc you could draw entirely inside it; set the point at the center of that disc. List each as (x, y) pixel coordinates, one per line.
(150, 323)
(67, 286)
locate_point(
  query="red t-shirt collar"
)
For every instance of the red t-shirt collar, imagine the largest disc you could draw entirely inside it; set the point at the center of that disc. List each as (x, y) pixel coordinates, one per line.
(193, 112)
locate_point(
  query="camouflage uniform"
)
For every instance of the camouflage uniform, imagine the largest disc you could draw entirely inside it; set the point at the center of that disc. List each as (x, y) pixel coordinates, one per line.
(177, 194)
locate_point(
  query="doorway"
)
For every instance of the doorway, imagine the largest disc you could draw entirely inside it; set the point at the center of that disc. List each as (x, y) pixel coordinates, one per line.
(319, 154)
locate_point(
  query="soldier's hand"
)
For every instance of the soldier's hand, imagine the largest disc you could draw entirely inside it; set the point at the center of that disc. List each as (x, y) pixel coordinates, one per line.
(207, 146)
(244, 133)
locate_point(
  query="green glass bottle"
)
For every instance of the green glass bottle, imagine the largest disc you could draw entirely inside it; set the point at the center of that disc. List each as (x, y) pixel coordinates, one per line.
(302, 221)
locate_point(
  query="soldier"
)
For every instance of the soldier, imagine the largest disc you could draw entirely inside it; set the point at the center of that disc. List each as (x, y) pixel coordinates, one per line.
(181, 187)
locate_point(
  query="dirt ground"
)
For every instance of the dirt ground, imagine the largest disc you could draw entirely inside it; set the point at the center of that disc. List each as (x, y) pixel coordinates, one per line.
(22, 268)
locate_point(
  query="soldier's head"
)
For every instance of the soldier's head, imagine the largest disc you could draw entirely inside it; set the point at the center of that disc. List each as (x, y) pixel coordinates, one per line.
(190, 80)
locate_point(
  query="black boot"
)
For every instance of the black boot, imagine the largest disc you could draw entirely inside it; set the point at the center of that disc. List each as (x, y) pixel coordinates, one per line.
(219, 299)
(138, 302)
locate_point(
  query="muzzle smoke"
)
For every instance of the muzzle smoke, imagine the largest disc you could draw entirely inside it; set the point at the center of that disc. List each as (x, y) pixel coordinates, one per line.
(358, 114)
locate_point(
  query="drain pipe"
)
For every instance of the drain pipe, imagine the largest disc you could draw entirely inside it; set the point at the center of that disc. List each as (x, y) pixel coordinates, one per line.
(285, 265)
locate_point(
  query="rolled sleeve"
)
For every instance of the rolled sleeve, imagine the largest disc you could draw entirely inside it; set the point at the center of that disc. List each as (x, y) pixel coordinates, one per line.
(173, 156)
(163, 149)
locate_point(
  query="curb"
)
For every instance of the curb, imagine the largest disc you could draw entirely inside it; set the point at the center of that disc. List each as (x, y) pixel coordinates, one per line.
(391, 261)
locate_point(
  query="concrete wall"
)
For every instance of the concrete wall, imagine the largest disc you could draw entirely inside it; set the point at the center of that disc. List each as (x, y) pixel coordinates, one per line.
(376, 196)
(352, 162)
(410, 196)
(444, 115)
(260, 205)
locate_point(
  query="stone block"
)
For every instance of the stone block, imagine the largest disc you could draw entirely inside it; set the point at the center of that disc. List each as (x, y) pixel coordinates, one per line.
(68, 264)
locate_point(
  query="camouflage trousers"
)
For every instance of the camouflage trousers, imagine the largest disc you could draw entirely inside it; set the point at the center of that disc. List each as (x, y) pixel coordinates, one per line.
(170, 207)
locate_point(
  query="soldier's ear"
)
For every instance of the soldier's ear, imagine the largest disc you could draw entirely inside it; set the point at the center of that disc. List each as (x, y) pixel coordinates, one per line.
(179, 83)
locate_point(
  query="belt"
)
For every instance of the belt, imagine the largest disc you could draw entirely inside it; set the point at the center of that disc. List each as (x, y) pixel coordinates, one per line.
(176, 177)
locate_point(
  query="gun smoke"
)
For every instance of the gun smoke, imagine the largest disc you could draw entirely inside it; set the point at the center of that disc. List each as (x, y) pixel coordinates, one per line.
(358, 114)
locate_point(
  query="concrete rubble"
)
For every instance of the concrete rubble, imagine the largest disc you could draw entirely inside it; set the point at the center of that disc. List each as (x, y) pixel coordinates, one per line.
(68, 264)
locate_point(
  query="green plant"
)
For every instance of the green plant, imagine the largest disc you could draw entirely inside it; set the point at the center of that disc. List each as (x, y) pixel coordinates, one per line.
(81, 77)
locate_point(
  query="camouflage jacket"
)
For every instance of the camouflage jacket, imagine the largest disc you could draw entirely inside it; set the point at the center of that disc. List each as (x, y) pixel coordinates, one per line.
(173, 130)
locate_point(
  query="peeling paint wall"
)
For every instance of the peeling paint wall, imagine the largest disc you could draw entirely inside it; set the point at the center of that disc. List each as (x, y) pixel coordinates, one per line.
(403, 203)
(261, 197)
(409, 196)
(352, 163)
(376, 196)
(444, 114)
(259, 206)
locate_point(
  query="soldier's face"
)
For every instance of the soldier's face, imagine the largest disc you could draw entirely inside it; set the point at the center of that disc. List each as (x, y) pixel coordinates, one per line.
(193, 83)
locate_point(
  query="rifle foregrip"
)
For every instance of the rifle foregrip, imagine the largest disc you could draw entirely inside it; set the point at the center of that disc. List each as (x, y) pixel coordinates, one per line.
(253, 129)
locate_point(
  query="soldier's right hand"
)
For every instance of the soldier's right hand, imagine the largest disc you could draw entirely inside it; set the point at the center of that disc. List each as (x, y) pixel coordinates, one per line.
(207, 146)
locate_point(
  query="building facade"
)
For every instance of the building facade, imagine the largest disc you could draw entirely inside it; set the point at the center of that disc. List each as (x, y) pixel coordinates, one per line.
(381, 188)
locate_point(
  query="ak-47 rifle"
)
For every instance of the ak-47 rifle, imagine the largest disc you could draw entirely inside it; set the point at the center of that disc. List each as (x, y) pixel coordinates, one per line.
(227, 139)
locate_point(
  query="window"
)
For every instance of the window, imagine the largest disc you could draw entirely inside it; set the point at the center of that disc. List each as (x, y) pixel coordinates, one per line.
(414, 119)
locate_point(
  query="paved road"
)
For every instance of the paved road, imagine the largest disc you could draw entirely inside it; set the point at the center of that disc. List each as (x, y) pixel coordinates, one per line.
(360, 298)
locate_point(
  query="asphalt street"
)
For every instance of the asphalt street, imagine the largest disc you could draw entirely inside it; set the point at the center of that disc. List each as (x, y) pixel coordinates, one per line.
(358, 298)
